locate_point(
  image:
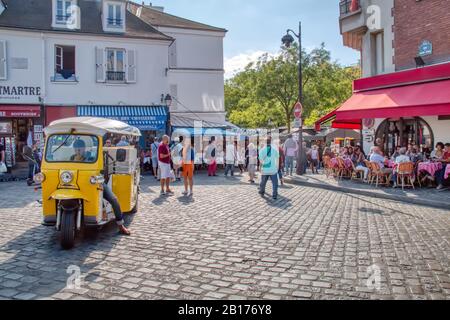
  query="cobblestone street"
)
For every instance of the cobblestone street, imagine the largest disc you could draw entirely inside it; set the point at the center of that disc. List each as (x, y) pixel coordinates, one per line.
(229, 243)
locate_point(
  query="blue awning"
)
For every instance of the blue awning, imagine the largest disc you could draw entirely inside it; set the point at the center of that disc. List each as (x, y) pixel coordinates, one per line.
(145, 118)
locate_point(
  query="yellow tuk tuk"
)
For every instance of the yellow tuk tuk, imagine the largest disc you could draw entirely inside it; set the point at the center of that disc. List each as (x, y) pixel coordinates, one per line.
(77, 169)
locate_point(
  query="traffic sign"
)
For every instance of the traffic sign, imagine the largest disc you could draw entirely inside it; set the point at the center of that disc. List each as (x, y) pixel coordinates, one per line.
(298, 110)
(297, 123)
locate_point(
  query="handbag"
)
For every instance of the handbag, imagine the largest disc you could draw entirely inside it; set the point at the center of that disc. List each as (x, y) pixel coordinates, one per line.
(3, 168)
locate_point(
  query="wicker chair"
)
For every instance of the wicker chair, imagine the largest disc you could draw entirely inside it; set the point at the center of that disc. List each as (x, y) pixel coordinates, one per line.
(343, 171)
(328, 167)
(378, 176)
(405, 174)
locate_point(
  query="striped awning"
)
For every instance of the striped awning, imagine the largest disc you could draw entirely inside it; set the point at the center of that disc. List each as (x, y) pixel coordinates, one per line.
(146, 118)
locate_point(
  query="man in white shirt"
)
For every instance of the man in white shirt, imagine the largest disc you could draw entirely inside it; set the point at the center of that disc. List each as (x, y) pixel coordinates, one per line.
(290, 151)
(378, 158)
(230, 158)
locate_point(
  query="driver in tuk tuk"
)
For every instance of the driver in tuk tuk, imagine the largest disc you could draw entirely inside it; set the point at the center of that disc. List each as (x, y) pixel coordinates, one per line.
(80, 152)
(81, 156)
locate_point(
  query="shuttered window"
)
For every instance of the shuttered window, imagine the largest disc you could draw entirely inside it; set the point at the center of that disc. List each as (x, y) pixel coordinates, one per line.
(131, 67)
(3, 61)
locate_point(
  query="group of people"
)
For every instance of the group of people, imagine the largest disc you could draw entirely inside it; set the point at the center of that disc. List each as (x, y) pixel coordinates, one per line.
(388, 164)
(171, 162)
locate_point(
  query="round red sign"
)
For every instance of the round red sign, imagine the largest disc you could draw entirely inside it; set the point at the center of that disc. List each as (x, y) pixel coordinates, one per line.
(298, 110)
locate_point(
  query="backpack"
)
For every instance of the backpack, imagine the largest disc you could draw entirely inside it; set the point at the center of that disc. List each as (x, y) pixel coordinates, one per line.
(213, 152)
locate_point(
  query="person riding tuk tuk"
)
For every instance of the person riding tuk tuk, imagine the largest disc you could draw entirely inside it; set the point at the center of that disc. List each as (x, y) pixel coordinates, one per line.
(84, 183)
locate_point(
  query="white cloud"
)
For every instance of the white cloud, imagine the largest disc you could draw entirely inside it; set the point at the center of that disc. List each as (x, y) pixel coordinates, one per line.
(237, 63)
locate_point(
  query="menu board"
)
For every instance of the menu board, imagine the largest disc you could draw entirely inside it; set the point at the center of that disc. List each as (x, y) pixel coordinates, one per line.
(5, 128)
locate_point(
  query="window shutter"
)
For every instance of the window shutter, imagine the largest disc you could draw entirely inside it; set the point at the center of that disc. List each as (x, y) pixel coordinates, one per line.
(173, 55)
(131, 69)
(174, 94)
(100, 64)
(3, 64)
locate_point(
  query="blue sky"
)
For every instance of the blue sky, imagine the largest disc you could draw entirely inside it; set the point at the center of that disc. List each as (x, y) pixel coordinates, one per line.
(256, 26)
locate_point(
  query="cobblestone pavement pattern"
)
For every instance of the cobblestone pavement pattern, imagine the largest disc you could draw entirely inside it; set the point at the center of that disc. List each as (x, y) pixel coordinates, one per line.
(229, 243)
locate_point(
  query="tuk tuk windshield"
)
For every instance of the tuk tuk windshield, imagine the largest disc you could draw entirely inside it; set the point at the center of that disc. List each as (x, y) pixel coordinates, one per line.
(72, 148)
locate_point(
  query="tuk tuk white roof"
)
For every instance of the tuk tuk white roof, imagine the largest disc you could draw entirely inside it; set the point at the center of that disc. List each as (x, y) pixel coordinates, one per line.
(90, 125)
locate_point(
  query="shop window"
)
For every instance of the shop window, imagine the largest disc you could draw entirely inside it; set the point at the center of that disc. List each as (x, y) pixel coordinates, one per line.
(65, 63)
(404, 131)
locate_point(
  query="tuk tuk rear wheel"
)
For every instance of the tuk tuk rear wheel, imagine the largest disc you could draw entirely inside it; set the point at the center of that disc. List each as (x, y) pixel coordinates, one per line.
(67, 230)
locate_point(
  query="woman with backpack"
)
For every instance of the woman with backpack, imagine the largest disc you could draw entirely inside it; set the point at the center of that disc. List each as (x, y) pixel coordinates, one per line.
(211, 151)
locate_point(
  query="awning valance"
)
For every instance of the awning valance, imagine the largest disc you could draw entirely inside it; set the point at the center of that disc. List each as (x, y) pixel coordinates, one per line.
(145, 118)
(423, 99)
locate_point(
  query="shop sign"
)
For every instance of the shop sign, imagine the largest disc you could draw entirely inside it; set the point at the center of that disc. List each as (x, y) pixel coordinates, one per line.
(369, 135)
(20, 114)
(425, 48)
(17, 92)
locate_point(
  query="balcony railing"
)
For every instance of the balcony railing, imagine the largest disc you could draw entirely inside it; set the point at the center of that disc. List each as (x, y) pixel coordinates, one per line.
(115, 76)
(349, 6)
(63, 18)
(115, 22)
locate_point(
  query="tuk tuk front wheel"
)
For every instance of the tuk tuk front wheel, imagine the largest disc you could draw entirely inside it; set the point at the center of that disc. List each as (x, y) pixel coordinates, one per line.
(67, 230)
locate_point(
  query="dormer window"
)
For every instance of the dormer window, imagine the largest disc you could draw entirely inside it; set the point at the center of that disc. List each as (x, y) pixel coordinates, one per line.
(63, 12)
(66, 14)
(115, 15)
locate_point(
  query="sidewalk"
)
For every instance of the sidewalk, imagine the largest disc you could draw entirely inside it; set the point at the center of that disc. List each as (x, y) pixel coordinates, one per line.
(420, 196)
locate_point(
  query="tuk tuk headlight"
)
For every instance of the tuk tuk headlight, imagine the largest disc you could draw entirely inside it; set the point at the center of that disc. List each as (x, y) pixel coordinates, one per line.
(97, 180)
(39, 178)
(66, 177)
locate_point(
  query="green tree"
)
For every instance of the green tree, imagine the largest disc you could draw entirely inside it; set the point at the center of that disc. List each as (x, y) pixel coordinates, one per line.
(268, 89)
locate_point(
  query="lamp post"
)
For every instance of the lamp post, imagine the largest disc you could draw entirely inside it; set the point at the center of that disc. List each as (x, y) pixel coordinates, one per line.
(287, 40)
(168, 102)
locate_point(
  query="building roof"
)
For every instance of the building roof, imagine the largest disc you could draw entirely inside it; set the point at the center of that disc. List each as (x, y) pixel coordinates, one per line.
(158, 18)
(37, 15)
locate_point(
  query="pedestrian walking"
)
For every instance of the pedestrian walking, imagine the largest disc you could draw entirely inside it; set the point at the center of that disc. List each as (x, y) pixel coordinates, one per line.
(188, 168)
(164, 165)
(252, 161)
(281, 164)
(239, 158)
(177, 157)
(210, 156)
(154, 151)
(28, 156)
(290, 151)
(269, 158)
(314, 153)
(230, 159)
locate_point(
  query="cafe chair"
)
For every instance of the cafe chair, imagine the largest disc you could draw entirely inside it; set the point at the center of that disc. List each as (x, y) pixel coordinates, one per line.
(379, 177)
(405, 175)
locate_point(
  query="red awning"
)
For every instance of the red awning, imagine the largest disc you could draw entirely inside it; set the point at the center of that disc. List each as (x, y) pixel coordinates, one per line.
(424, 99)
(335, 124)
(20, 111)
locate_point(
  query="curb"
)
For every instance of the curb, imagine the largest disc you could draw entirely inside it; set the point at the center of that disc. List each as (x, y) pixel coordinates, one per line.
(420, 202)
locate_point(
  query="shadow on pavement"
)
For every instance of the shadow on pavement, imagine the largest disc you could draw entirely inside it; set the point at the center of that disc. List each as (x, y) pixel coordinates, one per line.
(36, 256)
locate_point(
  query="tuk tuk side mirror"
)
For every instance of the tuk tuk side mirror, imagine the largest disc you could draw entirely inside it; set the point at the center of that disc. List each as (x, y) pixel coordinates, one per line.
(121, 155)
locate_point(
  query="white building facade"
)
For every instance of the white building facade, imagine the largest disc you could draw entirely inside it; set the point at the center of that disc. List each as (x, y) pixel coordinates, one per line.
(97, 58)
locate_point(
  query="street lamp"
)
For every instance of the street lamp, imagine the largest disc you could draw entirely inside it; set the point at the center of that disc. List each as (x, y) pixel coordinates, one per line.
(287, 41)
